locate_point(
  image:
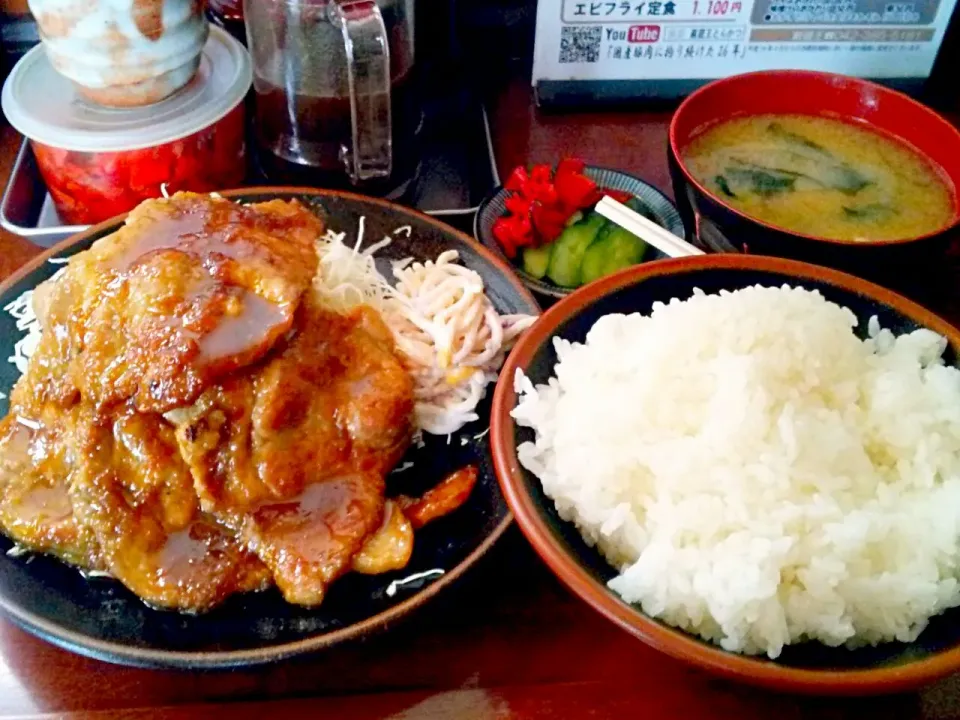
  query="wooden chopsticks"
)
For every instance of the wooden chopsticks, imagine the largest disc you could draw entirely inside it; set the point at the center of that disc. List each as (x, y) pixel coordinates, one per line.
(649, 232)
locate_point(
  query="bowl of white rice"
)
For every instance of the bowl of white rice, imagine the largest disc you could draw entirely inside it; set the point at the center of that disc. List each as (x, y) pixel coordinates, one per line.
(749, 463)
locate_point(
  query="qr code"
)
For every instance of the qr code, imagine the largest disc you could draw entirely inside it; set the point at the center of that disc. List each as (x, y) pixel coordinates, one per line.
(580, 44)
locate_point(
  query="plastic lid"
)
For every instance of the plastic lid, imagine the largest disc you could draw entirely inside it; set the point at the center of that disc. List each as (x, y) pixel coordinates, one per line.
(45, 106)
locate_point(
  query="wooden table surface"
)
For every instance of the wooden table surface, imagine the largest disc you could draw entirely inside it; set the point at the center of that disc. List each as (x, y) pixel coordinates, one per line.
(507, 642)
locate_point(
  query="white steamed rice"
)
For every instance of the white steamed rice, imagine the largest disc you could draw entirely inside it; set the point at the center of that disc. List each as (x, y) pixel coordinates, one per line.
(758, 475)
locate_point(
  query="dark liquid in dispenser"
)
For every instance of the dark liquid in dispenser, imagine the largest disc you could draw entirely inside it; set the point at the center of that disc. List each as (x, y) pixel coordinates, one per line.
(301, 136)
(303, 126)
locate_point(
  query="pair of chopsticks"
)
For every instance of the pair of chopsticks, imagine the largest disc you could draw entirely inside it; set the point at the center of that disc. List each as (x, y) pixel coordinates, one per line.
(651, 233)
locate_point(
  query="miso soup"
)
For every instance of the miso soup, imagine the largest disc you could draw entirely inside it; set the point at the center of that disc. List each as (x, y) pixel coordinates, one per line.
(822, 177)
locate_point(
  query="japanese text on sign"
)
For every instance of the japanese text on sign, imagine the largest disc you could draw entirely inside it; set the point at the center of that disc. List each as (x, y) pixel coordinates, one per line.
(697, 39)
(585, 12)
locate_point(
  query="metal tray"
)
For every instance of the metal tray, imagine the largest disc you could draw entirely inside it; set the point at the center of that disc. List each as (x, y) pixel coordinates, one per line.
(459, 170)
(26, 208)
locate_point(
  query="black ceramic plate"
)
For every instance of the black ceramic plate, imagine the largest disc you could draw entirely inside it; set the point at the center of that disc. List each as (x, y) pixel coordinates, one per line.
(102, 619)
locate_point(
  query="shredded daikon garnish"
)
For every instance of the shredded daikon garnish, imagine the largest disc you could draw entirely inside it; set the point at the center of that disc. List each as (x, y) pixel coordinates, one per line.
(96, 574)
(21, 309)
(348, 276)
(450, 335)
(414, 581)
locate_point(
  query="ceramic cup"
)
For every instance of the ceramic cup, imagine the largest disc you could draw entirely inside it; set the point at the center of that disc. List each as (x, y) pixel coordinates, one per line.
(123, 53)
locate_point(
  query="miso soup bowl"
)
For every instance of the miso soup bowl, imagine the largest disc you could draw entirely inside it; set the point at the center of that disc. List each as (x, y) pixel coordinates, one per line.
(719, 227)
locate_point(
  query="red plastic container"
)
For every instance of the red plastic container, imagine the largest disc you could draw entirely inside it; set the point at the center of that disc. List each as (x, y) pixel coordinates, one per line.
(100, 162)
(88, 187)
